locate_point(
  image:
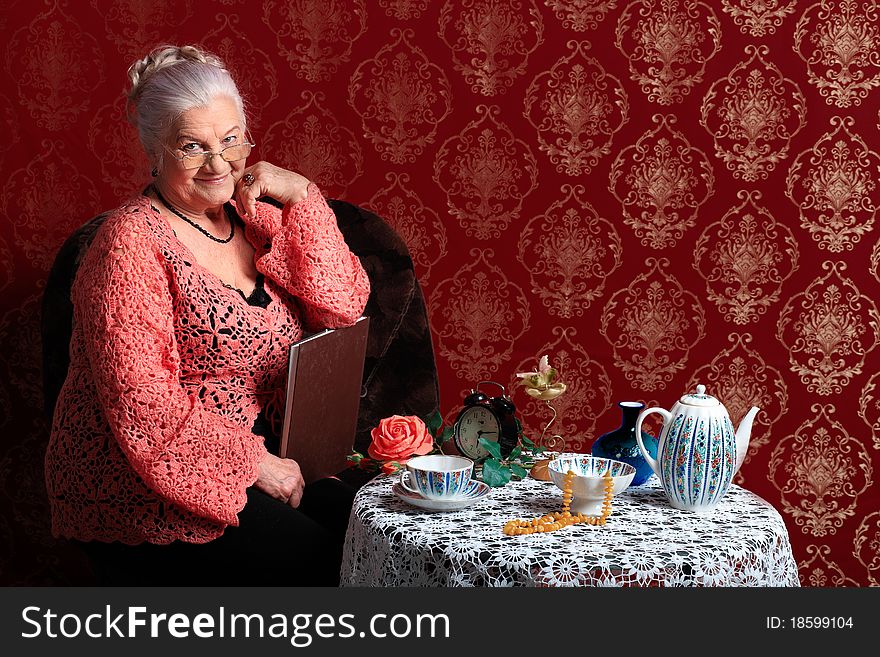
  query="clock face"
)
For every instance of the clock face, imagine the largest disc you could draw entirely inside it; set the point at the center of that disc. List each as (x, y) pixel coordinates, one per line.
(474, 423)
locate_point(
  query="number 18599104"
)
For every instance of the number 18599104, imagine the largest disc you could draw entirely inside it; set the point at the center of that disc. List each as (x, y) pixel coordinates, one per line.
(809, 623)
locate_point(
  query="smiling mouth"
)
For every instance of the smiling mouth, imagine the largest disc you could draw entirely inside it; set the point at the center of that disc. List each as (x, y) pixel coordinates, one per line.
(213, 181)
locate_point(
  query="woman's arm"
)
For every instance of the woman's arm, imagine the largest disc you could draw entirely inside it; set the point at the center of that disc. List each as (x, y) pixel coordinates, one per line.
(188, 455)
(301, 248)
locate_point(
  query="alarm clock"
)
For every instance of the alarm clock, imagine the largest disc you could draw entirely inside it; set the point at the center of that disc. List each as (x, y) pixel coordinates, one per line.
(492, 418)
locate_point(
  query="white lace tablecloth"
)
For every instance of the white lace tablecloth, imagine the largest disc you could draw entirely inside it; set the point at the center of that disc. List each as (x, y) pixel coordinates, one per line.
(645, 542)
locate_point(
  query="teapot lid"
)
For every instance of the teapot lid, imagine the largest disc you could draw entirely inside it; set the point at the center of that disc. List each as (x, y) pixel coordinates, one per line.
(699, 398)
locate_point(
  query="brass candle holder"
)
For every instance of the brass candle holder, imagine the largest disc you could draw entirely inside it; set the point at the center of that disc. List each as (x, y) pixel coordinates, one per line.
(554, 443)
(541, 385)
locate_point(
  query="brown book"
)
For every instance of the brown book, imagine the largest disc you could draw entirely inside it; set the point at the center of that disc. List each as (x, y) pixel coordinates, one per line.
(323, 397)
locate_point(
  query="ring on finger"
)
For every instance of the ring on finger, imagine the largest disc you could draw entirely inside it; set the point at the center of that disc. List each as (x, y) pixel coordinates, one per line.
(248, 179)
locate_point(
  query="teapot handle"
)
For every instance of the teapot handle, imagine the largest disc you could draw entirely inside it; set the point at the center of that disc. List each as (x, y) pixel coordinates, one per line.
(667, 416)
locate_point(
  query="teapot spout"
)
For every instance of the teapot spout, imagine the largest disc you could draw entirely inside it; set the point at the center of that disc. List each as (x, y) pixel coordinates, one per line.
(743, 434)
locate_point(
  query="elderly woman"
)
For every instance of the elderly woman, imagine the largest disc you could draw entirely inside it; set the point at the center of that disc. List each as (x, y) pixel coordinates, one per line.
(161, 458)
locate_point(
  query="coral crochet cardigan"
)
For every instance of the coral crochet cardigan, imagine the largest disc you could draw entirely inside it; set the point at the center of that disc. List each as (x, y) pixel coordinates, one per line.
(169, 367)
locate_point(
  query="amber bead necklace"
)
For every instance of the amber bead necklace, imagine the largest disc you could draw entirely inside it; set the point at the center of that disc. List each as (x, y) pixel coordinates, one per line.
(559, 519)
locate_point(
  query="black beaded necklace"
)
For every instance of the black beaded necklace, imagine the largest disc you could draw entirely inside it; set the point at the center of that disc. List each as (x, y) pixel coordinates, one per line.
(193, 223)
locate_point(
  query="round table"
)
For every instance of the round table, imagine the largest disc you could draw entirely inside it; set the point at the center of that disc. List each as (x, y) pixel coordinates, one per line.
(645, 542)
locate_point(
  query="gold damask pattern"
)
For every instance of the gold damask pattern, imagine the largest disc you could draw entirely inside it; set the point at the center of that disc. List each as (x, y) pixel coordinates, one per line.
(752, 115)
(758, 17)
(819, 571)
(834, 184)
(820, 472)
(869, 408)
(50, 61)
(866, 546)
(404, 9)
(667, 44)
(840, 42)
(652, 324)
(569, 252)
(581, 15)
(875, 261)
(49, 187)
(479, 315)
(491, 40)
(9, 123)
(136, 27)
(315, 36)
(741, 377)
(486, 173)
(401, 98)
(576, 108)
(745, 258)
(587, 394)
(251, 67)
(124, 166)
(661, 181)
(6, 264)
(311, 140)
(419, 226)
(828, 329)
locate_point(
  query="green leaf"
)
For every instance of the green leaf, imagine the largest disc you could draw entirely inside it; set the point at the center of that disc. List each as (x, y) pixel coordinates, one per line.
(434, 422)
(515, 453)
(446, 436)
(495, 474)
(492, 447)
(518, 471)
(532, 447)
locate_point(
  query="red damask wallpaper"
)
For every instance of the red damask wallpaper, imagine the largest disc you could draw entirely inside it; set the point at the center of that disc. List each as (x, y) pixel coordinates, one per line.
(652, 192)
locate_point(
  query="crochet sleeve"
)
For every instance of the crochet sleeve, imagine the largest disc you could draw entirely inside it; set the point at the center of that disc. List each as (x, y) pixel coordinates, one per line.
(301, 248)
(186, 454)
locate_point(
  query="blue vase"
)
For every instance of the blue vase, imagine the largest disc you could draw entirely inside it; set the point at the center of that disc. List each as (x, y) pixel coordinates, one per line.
(621, 444)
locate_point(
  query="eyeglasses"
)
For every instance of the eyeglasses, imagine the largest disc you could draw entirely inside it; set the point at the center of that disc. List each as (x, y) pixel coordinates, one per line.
(198, 159)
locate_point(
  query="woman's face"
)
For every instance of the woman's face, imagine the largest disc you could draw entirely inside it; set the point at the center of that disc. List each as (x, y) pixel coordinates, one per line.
(210, 129)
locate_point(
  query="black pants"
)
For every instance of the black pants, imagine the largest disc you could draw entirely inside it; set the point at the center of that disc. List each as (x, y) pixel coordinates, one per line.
(274, 545)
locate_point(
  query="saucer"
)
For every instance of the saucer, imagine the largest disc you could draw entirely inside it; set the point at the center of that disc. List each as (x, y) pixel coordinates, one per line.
(476, 490)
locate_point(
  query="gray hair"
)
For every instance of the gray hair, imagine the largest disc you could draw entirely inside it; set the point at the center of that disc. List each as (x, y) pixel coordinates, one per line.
(170, 81)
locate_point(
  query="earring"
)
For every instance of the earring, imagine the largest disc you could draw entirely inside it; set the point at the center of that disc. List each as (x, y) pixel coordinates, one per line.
(155, 172)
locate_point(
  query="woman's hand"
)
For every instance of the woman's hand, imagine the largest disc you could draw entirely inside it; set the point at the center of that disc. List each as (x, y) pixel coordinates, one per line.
(281, 479)
(264, 179)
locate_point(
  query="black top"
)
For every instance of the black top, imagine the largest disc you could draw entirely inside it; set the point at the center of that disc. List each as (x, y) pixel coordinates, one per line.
(262, 426)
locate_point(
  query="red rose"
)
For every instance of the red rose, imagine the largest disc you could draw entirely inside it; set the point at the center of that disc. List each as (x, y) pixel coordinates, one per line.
(399, 437)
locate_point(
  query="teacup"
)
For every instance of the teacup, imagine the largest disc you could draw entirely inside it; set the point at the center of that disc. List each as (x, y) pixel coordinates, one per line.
(437, 477)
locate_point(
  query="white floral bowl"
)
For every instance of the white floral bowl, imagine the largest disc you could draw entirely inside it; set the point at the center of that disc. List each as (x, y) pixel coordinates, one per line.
(588, 483)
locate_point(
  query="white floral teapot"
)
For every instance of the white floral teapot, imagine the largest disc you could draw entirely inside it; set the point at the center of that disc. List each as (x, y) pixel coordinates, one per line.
(698, 452)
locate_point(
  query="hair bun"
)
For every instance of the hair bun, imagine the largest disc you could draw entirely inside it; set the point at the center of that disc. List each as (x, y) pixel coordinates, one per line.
(163, 57)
